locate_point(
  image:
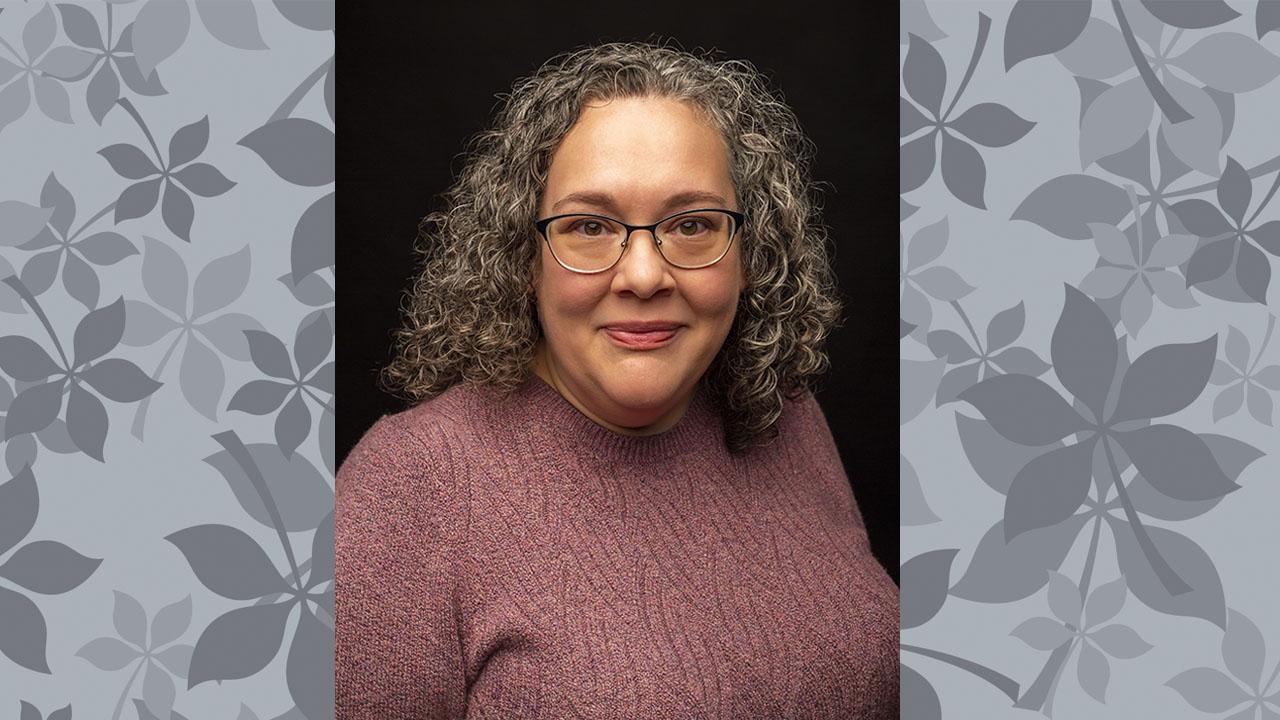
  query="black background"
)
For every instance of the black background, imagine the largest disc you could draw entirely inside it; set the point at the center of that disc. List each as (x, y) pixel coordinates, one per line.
(416, 82)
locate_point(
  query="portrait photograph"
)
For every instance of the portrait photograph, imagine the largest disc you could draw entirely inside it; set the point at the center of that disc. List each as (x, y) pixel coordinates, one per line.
(617, 375)
(620, 413)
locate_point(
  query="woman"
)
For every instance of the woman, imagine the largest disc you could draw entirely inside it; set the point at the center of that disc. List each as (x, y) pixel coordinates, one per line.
(616, 496)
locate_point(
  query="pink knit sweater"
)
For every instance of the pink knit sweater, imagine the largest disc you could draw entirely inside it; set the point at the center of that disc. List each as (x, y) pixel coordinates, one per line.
(512, 559)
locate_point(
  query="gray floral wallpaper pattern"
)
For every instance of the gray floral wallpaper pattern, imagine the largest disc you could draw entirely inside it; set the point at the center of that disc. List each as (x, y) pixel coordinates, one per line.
(1089, 444)
(166, 359)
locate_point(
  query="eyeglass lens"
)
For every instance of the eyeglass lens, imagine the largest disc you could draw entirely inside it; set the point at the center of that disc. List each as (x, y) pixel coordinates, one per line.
(591, 242)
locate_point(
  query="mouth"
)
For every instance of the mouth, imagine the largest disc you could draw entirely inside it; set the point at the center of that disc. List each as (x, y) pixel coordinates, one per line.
(648, 340)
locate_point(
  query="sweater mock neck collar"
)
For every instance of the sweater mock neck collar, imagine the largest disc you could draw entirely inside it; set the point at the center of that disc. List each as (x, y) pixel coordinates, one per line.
(566, 426)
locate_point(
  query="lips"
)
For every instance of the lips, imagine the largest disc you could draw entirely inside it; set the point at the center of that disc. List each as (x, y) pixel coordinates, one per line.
(641, 340)
(643, 326)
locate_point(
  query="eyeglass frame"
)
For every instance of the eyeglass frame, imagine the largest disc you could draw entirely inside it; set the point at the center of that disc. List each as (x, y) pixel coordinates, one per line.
(739, 219)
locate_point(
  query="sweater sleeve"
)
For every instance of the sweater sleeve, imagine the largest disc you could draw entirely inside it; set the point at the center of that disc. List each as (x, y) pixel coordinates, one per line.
(400, 524)
(822, 445)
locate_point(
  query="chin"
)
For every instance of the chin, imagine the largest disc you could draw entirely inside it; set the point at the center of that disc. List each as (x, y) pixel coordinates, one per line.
(642, 393)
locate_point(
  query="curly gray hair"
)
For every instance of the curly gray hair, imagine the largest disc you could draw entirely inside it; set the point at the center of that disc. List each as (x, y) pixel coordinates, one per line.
(469, 316)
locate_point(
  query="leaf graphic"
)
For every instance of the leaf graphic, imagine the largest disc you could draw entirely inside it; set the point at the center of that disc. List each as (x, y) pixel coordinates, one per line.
(963, 171)
(915, 161)
(299, 151)
(203, 179)
(202, 378)
(1094, 672)
(104, 90)
(1207, 689)
(34, 408)
(1005, 327)
(129, 161)
(234, 22)
(164, 276)
(1066, 204)
(919, 699)
(1115, 121)
(313, 238)
(300, 491)
(1191, 14)
(1041, 28)
(1165, 379)
(293, 424)
(108, 653)
(1204, 600)
(239, 643)
(21, 221)
(991, 124)
(307, 14)
(138, 199)
(171, 622)
(23, 633)
(1003, 572)
(22, 359)
(308, 671)
(48, 567)
(1042, 633)
(1023, 409)
(1196, 141)
(927, 244)
(158, 691)
(177, 210)
(1105, 602)
(1098, 53)
(228, 562)
(269, 354)
(105, 248)
(86, 422)
(925, 579)
(158, 31)
(19, 505)
(925, 75)
(1049, 489)
(1243, 649)
(1120, 641)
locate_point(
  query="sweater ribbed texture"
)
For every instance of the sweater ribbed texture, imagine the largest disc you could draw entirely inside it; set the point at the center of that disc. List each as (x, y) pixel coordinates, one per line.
(510, 558)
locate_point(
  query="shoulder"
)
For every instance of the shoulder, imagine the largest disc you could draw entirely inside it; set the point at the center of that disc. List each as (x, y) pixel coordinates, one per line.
(413, 454)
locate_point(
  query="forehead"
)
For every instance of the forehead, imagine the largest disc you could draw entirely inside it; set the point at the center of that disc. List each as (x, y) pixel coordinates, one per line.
(641, 148)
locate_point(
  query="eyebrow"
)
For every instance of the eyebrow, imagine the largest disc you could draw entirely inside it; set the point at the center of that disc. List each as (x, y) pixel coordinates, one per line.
(608, 202)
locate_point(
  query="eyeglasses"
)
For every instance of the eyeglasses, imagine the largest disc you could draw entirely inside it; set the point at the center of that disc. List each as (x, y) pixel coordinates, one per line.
(689, 240)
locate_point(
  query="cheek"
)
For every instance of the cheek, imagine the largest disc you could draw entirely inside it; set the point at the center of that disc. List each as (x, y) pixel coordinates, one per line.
(566, 304)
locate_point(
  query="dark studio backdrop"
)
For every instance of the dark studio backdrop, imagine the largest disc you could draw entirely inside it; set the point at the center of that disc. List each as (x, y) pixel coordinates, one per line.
(425, 77)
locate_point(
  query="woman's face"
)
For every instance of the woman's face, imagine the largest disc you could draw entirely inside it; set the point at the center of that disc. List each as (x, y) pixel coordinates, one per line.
(639, 160)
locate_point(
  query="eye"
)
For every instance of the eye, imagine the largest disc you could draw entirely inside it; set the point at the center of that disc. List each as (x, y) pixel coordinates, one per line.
(591, 228)
(691, 226)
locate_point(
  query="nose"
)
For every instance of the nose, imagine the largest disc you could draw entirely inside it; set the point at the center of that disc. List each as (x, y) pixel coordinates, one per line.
(642, 269)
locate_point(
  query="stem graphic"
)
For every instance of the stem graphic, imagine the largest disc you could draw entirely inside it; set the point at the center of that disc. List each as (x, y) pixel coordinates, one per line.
(1038, 693)
(13, 282)
(125, 693)
(1004, 684)
(1168, 105)
(140, 416)
(91, 221)
(984, 27)
(231, 443)
(1270, 194)
(1087, 575)
(1174, 584)
(133, 112)
(976, 343)
(299, 92)
(1271, 325)
(1257, 171)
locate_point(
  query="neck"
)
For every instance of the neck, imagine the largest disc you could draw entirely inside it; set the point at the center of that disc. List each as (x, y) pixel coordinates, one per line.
(546, 370)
